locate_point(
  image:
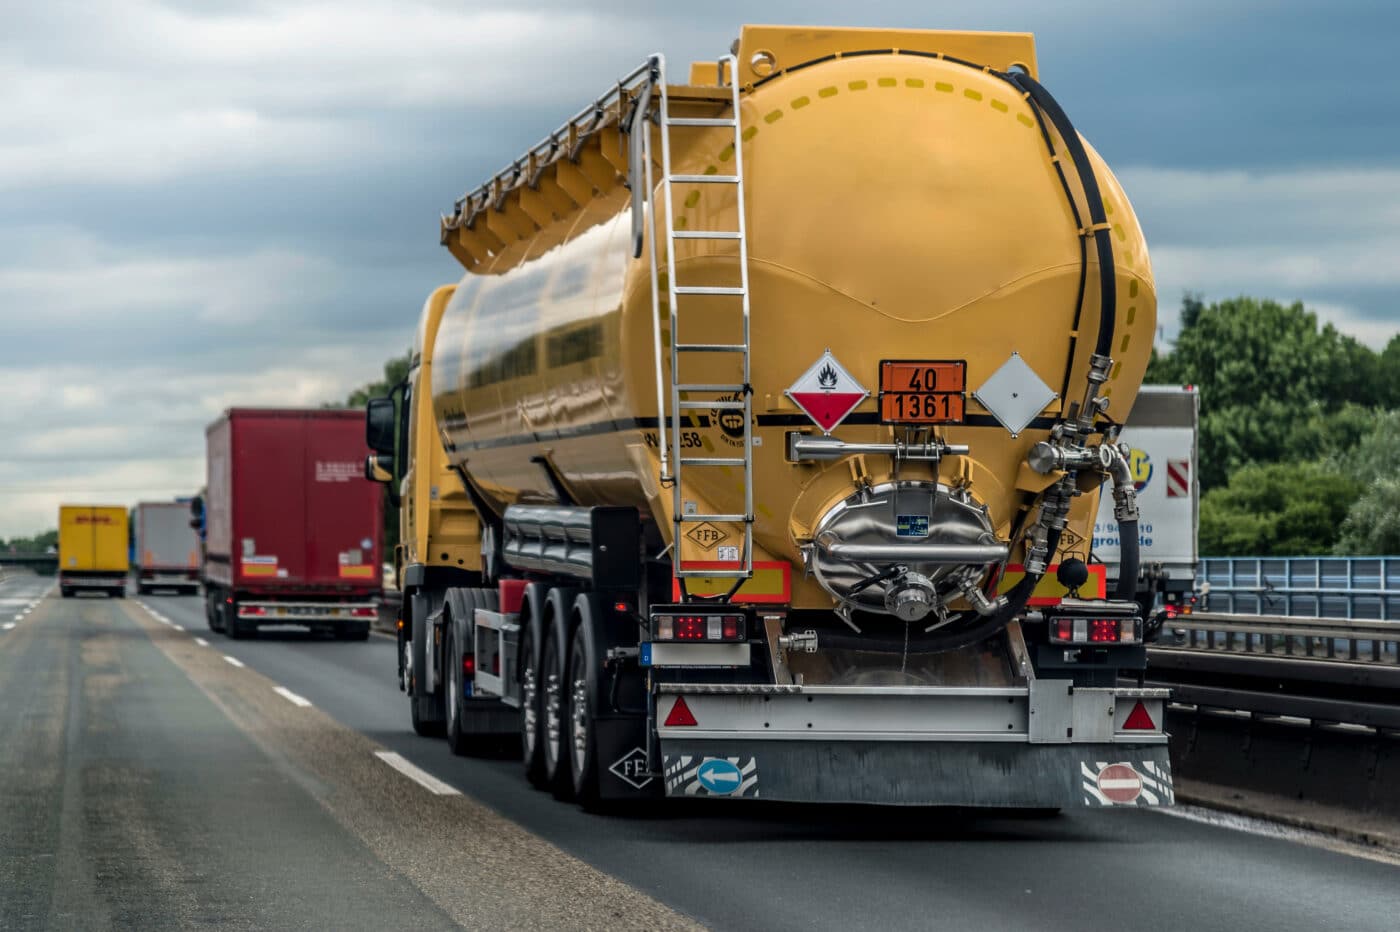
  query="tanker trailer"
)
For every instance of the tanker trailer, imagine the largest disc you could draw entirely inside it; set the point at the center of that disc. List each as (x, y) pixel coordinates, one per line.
(784, 398)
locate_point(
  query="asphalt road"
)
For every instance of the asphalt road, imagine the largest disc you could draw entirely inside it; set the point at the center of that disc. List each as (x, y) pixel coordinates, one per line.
(399, 859)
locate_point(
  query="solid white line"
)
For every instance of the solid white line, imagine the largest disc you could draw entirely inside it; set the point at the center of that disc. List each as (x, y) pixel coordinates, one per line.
(424, 779)
(234, 660)
(293, 698)
(201, 642)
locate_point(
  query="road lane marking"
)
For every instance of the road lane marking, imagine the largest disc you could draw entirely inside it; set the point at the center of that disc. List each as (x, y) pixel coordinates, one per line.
(234, 660)
(424, 779)
(9, 625)
(298, 701)
(201, 642)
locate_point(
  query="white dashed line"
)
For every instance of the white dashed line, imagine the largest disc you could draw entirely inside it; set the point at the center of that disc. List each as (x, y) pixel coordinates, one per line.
(18, 617)
(424, 779)
(234, 660)
(298, 701)
(9, 625)
(201, 642)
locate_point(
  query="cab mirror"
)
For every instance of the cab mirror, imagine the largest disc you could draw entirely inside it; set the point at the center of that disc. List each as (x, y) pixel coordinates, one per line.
(379, 425)
(379, 467)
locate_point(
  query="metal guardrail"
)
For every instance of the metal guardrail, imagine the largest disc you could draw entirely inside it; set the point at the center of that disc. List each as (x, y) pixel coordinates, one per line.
(1324, 670)
(1284, 636)
(1320, 587)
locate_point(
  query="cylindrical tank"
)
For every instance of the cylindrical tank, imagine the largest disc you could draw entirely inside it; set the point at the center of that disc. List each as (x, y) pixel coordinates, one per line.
(899, 207)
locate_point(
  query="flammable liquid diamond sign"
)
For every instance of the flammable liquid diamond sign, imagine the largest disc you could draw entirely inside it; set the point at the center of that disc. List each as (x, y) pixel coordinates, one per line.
(827, 393)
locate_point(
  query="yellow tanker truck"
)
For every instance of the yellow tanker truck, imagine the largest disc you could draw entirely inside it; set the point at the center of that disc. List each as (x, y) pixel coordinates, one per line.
(757, 452)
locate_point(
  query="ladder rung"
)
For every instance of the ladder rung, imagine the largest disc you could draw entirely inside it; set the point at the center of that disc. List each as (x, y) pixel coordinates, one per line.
(713, 574)
(705, 234)
(702, 387)
(711, 348)
(699, 121)
(699, 518)
(712, 461)
(704, 179)
(709, 289)
(712, 405)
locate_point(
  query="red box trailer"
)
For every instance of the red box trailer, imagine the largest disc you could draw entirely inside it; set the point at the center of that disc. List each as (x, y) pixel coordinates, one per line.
(293, 532)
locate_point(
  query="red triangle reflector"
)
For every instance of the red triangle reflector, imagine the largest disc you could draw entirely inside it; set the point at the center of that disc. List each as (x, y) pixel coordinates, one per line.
(681, 715)
(1139, 720)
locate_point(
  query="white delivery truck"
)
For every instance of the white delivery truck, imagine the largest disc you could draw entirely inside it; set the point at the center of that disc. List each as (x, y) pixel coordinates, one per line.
(1160, 431)
(166, 548)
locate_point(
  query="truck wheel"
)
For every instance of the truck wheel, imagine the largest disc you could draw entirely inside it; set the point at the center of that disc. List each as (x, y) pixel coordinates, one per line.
(426, 712)
(142, 590)
(353, 632)
(65, 592)
(119, 593)
(553, 725)
(232, 627)
(582, 735)
(531, 746)
(457, 739)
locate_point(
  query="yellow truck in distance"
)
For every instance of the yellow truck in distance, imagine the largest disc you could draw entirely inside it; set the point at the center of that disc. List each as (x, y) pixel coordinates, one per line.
(92, 549)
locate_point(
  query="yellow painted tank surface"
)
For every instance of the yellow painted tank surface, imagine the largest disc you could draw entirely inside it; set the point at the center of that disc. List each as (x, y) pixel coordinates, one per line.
(901, 204)
(92, 538)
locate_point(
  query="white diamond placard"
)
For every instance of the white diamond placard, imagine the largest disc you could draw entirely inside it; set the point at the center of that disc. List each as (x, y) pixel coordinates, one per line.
(1014, 394)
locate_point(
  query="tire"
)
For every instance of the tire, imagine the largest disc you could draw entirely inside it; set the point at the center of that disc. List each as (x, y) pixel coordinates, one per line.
(211, 612)
(352, 633)
(232, 627)
(427, 712)
(457, 739)
(142, 590)
(582, 717)
(65, 592)
(118, 593)
(553, 723)
(531, 745)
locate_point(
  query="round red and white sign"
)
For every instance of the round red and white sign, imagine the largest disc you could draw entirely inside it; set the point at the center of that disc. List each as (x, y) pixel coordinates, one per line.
(1120, 783)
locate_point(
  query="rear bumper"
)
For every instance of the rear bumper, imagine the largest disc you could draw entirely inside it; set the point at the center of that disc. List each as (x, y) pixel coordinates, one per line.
(910, 773)
(93, 579)
(1041, 745)
(253, 614)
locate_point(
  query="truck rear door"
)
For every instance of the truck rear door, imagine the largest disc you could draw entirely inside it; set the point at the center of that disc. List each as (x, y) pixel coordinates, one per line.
(343, 510)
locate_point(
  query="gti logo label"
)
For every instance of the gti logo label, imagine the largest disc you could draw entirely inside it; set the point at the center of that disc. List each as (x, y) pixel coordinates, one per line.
(719, 776)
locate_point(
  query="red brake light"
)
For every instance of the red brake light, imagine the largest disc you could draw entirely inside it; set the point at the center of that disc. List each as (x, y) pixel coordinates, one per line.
(729, 628)
(1064, 629)
(469, 665)
(690, 628)
(363, 613)
(1103, 630)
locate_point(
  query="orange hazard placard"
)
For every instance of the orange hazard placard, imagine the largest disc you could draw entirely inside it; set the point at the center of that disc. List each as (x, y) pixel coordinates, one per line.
(922, 392)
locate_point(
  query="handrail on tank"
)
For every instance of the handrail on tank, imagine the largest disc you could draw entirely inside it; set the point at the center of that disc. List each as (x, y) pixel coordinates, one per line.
(564, 142)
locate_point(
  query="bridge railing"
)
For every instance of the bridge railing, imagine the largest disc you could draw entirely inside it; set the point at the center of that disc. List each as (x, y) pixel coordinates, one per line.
(1317, 587)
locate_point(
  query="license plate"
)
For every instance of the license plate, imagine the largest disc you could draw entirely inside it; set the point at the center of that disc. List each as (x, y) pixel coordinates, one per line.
(922, 391)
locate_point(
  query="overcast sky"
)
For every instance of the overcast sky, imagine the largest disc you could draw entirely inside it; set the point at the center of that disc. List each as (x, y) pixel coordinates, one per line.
(216, 202)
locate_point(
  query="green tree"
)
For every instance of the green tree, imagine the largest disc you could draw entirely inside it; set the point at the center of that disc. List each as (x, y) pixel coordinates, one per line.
(395, 371)
(1277, 509)
(1273, 383)
(1372, 524)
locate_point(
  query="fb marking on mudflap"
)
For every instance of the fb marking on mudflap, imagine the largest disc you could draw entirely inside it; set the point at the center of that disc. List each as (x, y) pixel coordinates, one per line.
(687, 775)
(631, 768)
(1126, 784)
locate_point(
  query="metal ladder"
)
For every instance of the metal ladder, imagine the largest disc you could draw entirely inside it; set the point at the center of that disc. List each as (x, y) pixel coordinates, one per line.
(677, 293)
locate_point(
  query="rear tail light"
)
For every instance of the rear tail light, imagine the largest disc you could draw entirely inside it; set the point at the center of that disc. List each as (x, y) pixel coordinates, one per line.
(1095, 631)
(691, 627)
(363, 612)
(469, 665)
(251, 611)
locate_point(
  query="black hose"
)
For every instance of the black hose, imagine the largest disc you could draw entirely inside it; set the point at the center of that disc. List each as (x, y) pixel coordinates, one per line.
(1098, 218)
(1129, 559)
(1016, 600)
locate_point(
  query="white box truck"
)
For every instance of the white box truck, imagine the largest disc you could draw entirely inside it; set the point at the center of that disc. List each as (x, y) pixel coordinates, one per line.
(1161, 434)
(166, 547)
